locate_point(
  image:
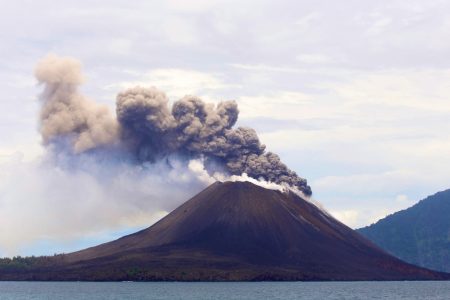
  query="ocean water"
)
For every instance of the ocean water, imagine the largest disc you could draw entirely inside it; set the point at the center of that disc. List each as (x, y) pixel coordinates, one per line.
(231, 290)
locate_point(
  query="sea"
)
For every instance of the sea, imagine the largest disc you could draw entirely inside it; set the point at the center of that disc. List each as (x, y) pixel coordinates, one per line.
(423, 290)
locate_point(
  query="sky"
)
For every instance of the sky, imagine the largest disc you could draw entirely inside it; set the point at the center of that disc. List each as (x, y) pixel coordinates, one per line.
(353, 95)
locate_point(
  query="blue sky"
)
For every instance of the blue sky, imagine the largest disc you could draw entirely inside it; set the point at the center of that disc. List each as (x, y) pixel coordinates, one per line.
(353, 95)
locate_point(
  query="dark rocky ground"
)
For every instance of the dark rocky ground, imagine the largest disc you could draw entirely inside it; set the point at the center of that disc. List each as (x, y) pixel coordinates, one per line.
(229, 231)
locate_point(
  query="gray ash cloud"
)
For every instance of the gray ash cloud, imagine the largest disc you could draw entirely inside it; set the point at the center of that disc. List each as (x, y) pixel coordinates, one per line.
(147, 127)
(67, 113)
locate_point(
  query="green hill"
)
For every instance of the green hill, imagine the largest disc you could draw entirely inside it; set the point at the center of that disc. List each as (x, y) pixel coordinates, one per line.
(419, 234)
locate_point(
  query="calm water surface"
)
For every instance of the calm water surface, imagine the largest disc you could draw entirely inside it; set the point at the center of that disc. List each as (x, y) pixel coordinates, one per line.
(232, 290)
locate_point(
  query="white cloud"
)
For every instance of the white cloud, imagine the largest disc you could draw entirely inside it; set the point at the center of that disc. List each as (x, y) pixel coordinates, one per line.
(283, 105)
(42, 200)
(180, 31)
(372, 183)
(313, 58)
(379, 25)
(348, 217)
(402, 198)
(193, 6)
(176, 82)
(305, 22)
(121, 46)
(267, 68)
(423, 90)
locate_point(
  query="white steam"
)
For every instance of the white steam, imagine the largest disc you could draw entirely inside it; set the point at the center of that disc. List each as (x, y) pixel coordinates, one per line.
(55, 200)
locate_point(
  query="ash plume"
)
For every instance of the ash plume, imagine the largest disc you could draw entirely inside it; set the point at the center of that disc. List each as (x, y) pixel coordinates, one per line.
(150, 130)
(66, 113)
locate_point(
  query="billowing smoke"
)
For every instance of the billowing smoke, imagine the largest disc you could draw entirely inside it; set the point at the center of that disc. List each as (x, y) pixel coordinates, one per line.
(66, 113)
(149, 130)
(101, 173)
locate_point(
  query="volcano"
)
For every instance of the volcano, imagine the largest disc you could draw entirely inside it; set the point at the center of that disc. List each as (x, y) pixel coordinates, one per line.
(233, 231)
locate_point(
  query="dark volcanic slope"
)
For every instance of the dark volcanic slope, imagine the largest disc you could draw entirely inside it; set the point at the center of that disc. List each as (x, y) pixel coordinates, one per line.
(235, 231)
(419, 235)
